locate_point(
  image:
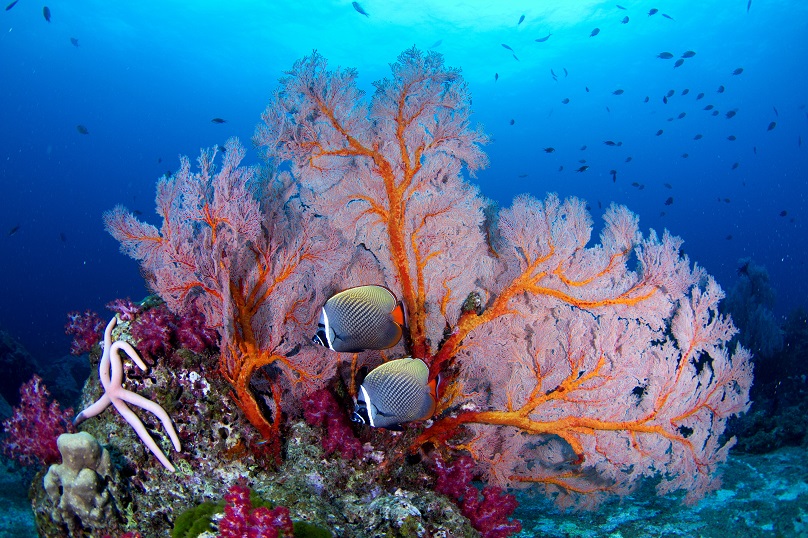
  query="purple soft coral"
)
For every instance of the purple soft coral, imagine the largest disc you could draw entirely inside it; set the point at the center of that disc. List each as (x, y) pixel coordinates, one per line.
(488, 514)
(86, 330)
(34, 426)
(321, 409)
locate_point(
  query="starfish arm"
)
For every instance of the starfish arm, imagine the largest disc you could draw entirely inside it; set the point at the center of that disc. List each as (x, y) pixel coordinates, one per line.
(152, 407)
(141, 431)
(93, 410)
(129, 350)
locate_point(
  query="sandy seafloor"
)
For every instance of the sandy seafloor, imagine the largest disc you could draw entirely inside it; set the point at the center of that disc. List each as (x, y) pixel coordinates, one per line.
(762, 496)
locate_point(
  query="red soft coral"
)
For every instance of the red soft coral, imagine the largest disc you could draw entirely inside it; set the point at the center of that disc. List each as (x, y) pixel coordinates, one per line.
(242, 520)
(86, 330)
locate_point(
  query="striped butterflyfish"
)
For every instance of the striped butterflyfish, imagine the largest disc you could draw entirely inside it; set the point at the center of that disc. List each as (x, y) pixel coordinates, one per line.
(360, 318)
(396, 392)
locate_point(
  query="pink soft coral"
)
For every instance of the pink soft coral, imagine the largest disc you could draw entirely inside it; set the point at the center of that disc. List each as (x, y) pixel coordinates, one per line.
(241, 520)
(34, 426)
(321, 409)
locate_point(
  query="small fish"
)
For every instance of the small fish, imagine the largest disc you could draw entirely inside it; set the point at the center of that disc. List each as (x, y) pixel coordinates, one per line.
(614, 175)
(628, 159)
(359, 9)
(396, 392)
(665, 55)
(566, 74)
(715, 113)
(586, 88)
(565, 100)
(360, 318)
(220, 120)
(670, 93)
(799, 141)
(14, 230)
(754, 150)
(514, 57)
(682, 115)
(678, 63)
(771, 126)
(748, 5)
(735, 166)
(62, 237)
(620, 7)
(665, 99)
(521, 20)
(775, 111)
(583, 148)
(647, 98)
(12, 4)
(496, 77)
(436, 44)
(667, 16)
(609, 110)
(625, 20)
(700, 96)
(522, 176)
(688, 54)
(667, 185)
(82, 129)
(738, 71)
(669, 201)
(732, 138)
(543, 39)
(783, 213)
(46, 13)
(561, 168)
(659, 132)
(552, 72)
(635, 184)
(685, 91)
(708, 107)
(609, 143)
(698, 137)
(74, 41)
(507, 47)
(618, 92)
(685, 155)
(729, 237)
(731, 114)
(549, 150)
(595, 32)
(670, 119)
(720, 89)
(584, 168)
(512, 121)
(653, 11)
(582, 161)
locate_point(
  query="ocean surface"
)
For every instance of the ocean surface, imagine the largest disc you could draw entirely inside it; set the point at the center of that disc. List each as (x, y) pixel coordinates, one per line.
(100, 101)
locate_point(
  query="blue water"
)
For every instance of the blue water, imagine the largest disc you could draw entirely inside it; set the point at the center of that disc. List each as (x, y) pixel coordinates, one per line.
(147, 78)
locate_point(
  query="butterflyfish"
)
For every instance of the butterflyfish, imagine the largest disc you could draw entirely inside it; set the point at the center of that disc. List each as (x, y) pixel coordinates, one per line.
(360, 318)
(396, 392)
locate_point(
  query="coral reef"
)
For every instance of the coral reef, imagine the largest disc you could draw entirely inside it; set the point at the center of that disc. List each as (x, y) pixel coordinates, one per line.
(578, 369)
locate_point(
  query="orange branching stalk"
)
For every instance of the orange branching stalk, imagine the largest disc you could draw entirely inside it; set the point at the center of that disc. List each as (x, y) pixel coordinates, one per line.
(252, 262)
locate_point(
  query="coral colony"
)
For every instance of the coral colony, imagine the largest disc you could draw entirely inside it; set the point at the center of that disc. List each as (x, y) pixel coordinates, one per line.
(574, 368)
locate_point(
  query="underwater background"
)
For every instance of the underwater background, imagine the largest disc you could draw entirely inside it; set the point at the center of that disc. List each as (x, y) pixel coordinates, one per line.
(146, 78)
(589, 99)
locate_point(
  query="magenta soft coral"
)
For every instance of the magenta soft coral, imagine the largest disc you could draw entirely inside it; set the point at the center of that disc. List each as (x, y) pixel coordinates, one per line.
(34, 426)
(242, 520)
(488, 510)
(320, 408)
(86, 330)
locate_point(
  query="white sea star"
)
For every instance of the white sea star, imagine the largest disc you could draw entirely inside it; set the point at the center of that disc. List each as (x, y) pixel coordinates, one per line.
(110, 371)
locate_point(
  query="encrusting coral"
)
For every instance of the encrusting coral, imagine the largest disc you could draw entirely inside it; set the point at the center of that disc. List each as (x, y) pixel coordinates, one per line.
(78, 487)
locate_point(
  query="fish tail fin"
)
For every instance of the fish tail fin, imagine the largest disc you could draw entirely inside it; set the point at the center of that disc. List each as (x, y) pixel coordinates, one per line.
(399, 314)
